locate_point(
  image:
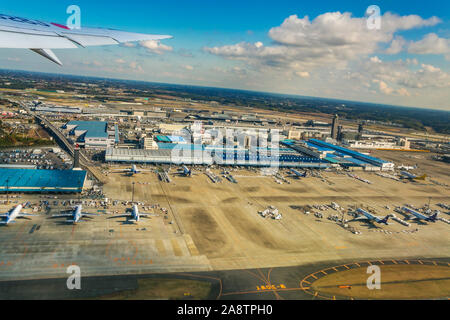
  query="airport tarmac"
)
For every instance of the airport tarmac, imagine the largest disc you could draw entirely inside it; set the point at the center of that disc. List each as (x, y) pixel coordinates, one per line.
(283, 283)
(217, 227)
(224, 223)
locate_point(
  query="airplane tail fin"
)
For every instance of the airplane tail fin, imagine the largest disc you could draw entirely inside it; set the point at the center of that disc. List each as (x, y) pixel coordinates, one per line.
(434, 216)
(385, 220)
(421, 177)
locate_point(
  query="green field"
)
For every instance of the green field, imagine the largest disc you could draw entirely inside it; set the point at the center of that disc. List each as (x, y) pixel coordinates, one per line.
(397, 282)
(164, 289)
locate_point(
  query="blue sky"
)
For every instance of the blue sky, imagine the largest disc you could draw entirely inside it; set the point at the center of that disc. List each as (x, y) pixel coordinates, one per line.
(262, 46)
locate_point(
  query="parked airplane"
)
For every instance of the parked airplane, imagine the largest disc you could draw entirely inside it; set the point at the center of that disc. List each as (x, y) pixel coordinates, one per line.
(370, 217)
(41, 37)
(14, 214)
(419, 216)
(132, 171)
(410, 176)
(134, 215)
(77, 215)
(185, 171)
(403, 167)
(298, 174)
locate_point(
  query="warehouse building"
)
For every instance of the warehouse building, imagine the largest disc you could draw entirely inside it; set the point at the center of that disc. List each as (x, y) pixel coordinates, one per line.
(42, 181)
(92, 134)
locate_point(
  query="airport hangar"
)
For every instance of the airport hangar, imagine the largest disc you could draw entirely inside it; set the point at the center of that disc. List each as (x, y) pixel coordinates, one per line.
(42, 181)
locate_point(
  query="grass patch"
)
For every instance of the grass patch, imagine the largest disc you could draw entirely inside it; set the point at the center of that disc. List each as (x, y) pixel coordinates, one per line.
(397, 282)
(164, 289)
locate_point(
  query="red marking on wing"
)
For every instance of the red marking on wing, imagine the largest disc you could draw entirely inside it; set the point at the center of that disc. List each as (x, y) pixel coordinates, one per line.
(60, 26)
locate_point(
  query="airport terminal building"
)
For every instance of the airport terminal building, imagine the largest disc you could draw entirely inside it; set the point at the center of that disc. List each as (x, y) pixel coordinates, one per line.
(313, 154)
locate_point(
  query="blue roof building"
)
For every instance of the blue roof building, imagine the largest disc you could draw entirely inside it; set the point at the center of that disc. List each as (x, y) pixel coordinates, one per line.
(41, 181)
(92, 134)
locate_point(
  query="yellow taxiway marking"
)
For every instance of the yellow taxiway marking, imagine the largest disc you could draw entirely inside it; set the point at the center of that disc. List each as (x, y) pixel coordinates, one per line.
(324, 272)
(407, 261)
(306, 281)
(420, 261)
(335, 269)
(346, 266)
(315, 294)
(314, 276)
(380, 261)
(395, 262)
(358, 264)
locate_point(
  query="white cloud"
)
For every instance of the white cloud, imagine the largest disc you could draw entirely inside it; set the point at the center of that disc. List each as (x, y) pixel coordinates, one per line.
(332, 38)
(136, 67)
(385, 89)
(129, 44)
(375, 59)
(396, 46)
(303, 74)
(398, 73)
(430, 44)
(156, 47)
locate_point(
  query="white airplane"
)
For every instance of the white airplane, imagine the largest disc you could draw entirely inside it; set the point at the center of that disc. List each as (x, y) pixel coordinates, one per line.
(132, 171)
(403, 167)
(41, 37)
(419, 216)
(14, 214)
(410, 176)
(370, 217)
(77, 215)
(134, 215)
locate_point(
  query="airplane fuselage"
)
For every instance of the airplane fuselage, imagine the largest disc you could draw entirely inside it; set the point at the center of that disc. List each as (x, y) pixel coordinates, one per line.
(135, 213)
(13, 214)
(420, 216)
(371, 217)
(77, 215)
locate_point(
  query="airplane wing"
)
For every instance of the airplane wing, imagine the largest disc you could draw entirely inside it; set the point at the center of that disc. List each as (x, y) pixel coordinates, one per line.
(90, 214)
(41, 37)
(62, 215)
(26, 215)
(120, 216)
(3, 215)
